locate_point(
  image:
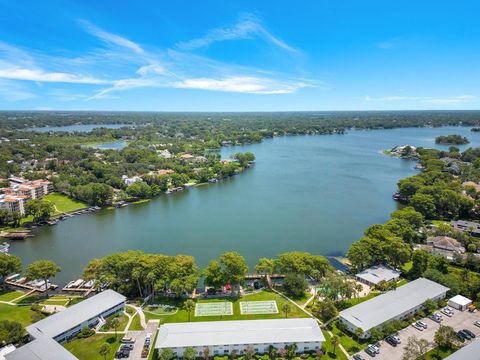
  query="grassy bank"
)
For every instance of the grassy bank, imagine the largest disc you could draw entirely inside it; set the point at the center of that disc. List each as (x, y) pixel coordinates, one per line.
(87, 349)
(64, 203)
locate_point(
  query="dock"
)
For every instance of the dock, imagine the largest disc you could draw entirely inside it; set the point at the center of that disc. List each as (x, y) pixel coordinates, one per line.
(81, 286)
(17, 280)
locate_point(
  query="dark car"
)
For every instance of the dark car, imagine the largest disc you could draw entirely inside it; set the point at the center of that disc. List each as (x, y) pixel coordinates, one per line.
(121, 355)
(370, 352)
(390, 340)
(461, 336)
(466, 334)
(126, 347)
(358, 357)
(469, 333)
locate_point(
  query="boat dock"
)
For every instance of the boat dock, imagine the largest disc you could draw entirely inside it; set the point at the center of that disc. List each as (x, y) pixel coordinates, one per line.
(17, 280)
(80, 285)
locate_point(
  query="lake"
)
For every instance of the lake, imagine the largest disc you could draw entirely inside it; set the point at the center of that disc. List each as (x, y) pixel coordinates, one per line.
(308, 193)
(114, 145)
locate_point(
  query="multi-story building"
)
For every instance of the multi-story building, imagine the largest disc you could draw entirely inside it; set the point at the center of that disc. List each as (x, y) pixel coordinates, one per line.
(223, 337)
(15, 197)
(46, 335)
(399, 304)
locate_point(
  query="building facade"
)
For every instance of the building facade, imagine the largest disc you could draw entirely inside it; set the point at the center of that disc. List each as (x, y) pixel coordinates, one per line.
(224, 337)
(399, 304)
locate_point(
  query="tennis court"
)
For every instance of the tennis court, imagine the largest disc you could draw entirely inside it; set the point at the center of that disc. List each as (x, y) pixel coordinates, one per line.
(214, 308)
(258, 307)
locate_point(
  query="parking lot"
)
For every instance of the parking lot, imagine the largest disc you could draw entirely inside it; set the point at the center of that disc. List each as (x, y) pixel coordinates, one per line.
(139, 336)
(460, 320)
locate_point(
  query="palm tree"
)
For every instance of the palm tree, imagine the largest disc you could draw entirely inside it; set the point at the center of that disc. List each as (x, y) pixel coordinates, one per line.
(114, 323)
(286, 308)
(272, 352)
(104, 350)
(334, 340)
(358, 287)
(189, 306)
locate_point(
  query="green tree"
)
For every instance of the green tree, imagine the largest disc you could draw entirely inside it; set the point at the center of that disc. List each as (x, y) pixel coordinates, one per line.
(429, 305)
(113, 322)
(249, 352)
(286, 308)
(213, 274)
(445, 337)
(166, 354)
(139, 190)
(272, 352)
(325, 309)
(42, 269)
(424, 204)
(104, 350)
(189, 306)
(415, 348)
(234, 268)
(189, 353)
(294, 285)
(9, 264)
(334, 340)
(40, 209)
(11, 332)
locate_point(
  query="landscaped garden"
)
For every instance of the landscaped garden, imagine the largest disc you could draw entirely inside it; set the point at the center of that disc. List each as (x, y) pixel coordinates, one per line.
(88, 348)
(21, 314)
(182, 314)
(10, 295)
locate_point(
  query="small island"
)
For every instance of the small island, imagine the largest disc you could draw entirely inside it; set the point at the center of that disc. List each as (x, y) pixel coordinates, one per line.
(451, 139)
(475, 129)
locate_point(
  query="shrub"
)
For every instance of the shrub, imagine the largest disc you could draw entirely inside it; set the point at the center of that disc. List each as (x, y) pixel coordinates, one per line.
(85, 333)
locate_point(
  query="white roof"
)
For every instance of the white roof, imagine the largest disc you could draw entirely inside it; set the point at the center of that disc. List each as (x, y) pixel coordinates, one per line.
(41, 349)
(242, 332)
(388, 306)
(460, 300)
(375, 274)
(62, 321)
(468, 352)
(6, 350)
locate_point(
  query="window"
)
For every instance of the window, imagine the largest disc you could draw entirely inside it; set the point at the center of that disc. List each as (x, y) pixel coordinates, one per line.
(306, 348)
(225, 351)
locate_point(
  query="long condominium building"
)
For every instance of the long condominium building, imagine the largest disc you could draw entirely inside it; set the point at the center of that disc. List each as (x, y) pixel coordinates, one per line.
(223, 337)
(398, 304)
(49, 333)
(15, 197)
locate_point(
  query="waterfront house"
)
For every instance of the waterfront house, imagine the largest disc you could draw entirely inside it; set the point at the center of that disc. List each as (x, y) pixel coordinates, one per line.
(471, 227)
(375, 274)
(442, 246)
(223, 337)
(399, 304)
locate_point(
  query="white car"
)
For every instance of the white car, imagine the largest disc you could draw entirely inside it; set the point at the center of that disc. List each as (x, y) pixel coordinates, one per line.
(477, 323)
(447, 312)
(422, 324)
(128, 340)
(418, 327)
(397, 339)
(374, 348)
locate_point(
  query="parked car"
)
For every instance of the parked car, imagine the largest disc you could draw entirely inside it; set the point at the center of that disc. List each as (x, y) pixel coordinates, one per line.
(122, 354)
(435, 318)
(449, 308)
(390, 340)
(397, 339)
(374, 348)
(418, 327)
(469, 333)
(358, 357)
(128, 340)
(447, 312)
(128, 347)
(370, 352)
(422, 324)
(477, 323)
(466, 334)
(461, 336)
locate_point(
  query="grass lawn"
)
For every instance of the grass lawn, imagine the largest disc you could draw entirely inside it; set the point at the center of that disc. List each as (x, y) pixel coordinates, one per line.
(64, 203)
(300, 300)
(21, 314)
(123, 323)
(87, 349)
(345, 304)
(10, 295)
(347, 341)
(402, 282)
(182, 316)
(438, 353)
(136, 324)
(327, 348)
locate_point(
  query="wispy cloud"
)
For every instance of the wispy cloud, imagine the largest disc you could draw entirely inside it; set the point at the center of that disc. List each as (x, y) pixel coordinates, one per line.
(248, 27)
(120, 64)
(11, 91)
(111, 38)
(461, 99)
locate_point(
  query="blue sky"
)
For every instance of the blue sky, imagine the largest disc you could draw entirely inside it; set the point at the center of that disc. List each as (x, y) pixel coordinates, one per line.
(239, 55)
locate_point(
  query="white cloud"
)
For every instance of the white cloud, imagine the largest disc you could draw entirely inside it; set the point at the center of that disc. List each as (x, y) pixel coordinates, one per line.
(391, 98)
(248, 27)
(461, 99)
(42, 76)
(110, 38)
(11, 91)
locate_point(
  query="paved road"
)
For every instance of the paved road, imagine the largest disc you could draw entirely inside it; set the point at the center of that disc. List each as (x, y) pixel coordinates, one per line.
(139, 336)
(459, 321)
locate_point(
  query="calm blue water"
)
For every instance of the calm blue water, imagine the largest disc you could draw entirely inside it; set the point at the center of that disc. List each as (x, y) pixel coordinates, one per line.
(308, 193)
(115, 145)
